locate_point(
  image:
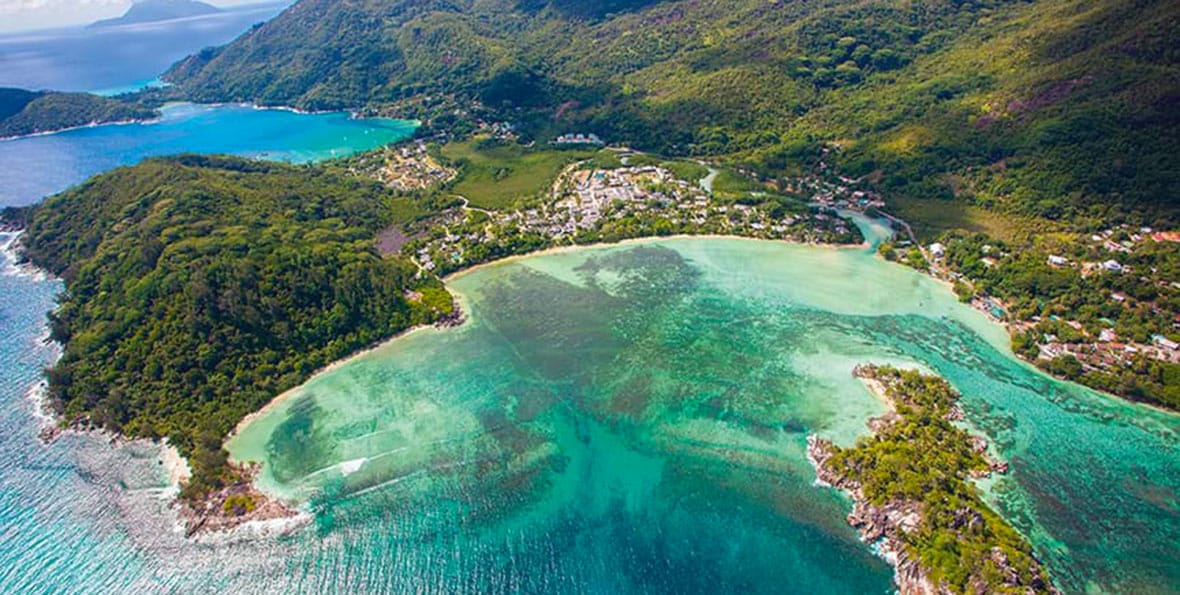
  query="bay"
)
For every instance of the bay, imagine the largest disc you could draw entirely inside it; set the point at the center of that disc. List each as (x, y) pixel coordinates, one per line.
(616, 419)
(633, 419)
(36, 166)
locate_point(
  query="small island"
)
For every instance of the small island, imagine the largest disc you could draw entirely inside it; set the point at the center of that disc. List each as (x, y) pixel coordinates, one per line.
(912, 496)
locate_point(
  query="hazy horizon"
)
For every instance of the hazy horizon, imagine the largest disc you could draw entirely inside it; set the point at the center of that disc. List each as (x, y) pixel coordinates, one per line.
(17, 16)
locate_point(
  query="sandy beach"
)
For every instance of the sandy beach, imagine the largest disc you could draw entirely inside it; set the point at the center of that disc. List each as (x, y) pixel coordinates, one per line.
(638, 241)
(287, 394)
(279, 399)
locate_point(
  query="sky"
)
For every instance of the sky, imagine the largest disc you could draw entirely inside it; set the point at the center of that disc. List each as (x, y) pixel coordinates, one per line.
(21, 15)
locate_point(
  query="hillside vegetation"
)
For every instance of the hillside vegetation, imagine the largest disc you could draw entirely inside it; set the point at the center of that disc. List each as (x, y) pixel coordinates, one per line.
(1054, 110)
(29, 112)
(198, 288)
(911, 484)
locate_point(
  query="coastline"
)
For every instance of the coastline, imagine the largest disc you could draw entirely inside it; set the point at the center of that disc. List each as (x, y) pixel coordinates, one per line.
(263, 528)
(272, 514)
(51, 425)
(940, 275)
(94, 124)
(460, 317)
(638, 241)
(287, 394)
(888, 525)
(160, 117)
(10, 251)
(353, 114)
(205, 518)
(873, 523)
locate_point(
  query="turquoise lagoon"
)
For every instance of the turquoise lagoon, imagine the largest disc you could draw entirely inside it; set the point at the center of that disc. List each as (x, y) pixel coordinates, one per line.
(33, 167)
(618, 419)
(633, 419)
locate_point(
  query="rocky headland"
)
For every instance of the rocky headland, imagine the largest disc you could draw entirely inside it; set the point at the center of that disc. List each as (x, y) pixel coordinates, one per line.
(904, 509)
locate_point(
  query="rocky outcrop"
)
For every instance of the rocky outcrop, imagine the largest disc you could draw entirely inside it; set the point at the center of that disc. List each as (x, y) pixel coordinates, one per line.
(220, 512)
(897, 527)
(235, 506)
(879, 525)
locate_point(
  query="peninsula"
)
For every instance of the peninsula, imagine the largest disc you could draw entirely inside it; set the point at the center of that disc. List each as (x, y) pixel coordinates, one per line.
(35, 112)
(341, 256)
(912, 496)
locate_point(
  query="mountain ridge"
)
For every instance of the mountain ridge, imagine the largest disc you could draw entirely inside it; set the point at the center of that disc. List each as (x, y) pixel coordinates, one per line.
(971, 101)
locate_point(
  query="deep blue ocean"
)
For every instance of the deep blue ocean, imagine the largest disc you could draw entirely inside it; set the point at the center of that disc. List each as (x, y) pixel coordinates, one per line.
(121, 58)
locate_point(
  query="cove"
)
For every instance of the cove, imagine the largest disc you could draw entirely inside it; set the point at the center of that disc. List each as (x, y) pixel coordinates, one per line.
(36, 166)
(633, 419)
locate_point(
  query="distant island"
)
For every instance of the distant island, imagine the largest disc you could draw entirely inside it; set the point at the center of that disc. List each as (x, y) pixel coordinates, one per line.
(24, 112)
(151, 11)
(1039, 182)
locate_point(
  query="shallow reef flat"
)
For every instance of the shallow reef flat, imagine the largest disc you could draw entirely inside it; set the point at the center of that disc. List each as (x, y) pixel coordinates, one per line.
(635, 417)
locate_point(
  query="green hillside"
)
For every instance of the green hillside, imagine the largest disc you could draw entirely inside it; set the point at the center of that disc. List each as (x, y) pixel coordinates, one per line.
(198, 288)
(229, 281)
(1041, 111)
(29, 112)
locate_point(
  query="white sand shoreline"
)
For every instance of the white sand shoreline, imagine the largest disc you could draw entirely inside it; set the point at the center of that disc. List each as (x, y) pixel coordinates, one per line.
(639, 241)
(287, 394)
(176, 468)
(335, 365)
(94, 124)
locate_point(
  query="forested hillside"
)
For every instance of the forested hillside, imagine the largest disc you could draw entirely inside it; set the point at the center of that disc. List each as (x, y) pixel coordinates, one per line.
(198, 288)
(29, 112)
(1057, 110)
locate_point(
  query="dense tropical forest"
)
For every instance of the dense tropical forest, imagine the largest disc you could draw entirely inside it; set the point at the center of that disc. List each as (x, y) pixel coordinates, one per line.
(198, 288)
(1013, 121)
(1032, 112)
(29, 112)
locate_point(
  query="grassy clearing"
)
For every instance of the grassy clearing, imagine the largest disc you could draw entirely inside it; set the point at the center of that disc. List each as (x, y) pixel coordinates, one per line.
(731, 184)
(606, 159)
(684, 170)
(405, 209)
(931, 217)
(497, 176)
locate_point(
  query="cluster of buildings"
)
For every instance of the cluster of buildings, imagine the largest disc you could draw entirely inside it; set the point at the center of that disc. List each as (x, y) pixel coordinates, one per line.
(589, 196)
(502, 131)
(579, 139)
(428, 257)
(1108, 352)
(405, 167)
(1100, 349)
(630, 200)
(1123, 238)
(839, 192)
